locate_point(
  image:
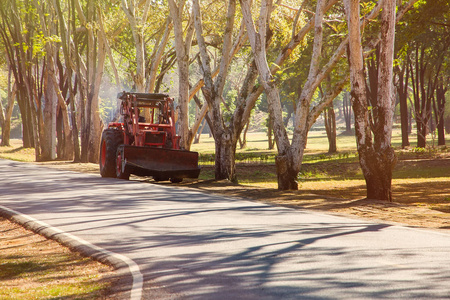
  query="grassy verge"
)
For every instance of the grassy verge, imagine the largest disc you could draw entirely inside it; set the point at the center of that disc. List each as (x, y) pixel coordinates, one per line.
(32, 267)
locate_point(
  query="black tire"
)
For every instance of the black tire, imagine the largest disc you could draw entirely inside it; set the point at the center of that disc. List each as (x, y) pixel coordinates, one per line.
(119, 160)
(111, 139)
(176, 180)
(157, 178)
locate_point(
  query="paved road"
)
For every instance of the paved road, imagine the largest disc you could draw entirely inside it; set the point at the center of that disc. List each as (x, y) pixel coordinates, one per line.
(190, 245)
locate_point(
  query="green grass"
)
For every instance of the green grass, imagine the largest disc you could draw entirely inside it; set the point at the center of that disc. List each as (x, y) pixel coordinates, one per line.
(257, 151)
(321, 170)
(317, 142)
(316, 148)
(257, 143)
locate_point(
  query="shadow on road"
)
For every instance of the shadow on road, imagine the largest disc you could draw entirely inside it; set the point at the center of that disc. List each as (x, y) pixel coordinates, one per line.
(207, 247)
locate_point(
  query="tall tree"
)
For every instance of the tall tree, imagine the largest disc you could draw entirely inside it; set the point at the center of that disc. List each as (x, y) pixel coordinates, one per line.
(423, 90)
(18, 38)
(213, 91)
(377, 157)
(54, 89)
(329, 117)
(403, 92)
(67, 83)
(290, 156)
(6, 113)
(89, 73)
(439, 102)
(183, 44)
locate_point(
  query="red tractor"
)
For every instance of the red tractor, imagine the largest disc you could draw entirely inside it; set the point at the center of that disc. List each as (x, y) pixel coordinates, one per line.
(146, 147)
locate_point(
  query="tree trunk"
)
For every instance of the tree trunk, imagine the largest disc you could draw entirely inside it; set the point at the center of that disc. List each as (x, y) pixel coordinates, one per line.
(90, 76)
(199, 133)
(27, 140)
(402, 90)
(330, 127)
(225, 166)
(34, 123)
(243, 136)
(74, 121)
(6, 132)
(60, 135)
(377, 169)
(65, 140)
(157, 56)
(84, 134)
(404, 122)
(68, 152)
(377, 158)
(447, 124)
(347, 109)
(286, 173)
(439, 109)
(270, 133)
(286, 177)
(6, 122)
(182, 48)
(422, 93)
(422, 130)
(47, 130)
(225, 137)
(95, 131)
(441, 133)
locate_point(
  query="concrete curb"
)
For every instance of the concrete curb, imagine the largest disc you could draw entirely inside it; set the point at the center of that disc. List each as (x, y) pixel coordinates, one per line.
(124, 266)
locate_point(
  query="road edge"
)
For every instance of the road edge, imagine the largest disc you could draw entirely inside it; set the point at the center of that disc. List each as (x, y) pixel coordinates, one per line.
(123, 265)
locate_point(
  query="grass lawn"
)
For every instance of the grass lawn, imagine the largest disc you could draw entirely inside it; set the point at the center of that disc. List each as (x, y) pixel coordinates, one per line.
(421, 177)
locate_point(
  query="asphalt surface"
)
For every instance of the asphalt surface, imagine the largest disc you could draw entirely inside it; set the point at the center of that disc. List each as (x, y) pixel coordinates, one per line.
(191, 245)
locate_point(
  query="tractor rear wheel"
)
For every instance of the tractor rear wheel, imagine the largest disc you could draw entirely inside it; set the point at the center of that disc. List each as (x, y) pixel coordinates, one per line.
(111, 139)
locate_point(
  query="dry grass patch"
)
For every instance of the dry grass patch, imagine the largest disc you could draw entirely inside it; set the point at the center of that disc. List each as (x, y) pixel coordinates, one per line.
(32, 267)
(17, 152)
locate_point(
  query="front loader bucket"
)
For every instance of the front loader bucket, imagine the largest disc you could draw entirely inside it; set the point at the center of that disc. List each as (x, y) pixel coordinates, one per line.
(160, 163)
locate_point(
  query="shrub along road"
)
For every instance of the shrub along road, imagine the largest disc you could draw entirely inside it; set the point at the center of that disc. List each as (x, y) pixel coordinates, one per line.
(193, 245)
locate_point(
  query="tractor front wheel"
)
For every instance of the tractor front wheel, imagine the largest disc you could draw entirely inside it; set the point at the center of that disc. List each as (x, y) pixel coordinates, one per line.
(111, 139)
(159, 178)
(120, 165)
